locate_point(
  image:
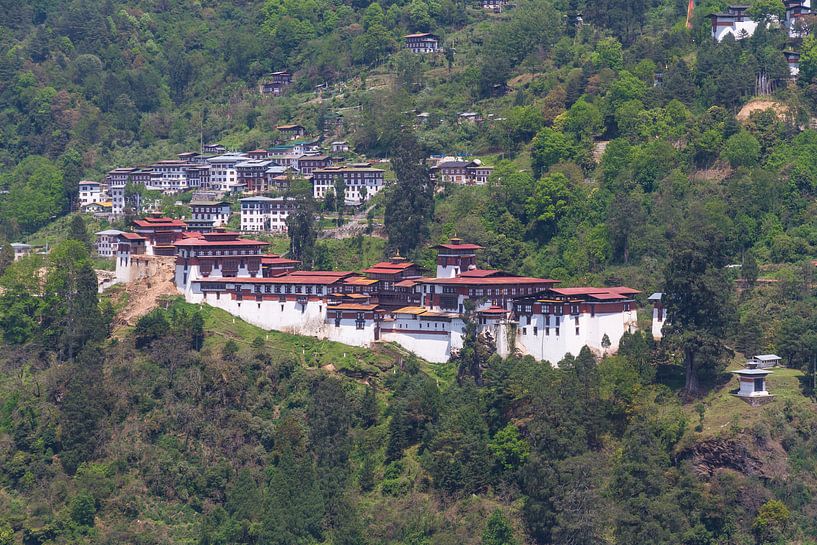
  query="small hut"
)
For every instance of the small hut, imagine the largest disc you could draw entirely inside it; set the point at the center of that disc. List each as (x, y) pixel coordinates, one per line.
(752, 380)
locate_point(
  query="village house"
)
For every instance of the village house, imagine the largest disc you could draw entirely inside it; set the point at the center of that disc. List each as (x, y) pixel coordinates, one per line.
(423, 42)
(307, 164)
(160, 233)
(208, 215)
(265, 214)
(495, 6)
(223, 176)
(20, 250)
(458, 171)
(734, 21)
(276, 83)
(106, 241)
(291, 131)
(119, 178)
(340, 146)
(98, 209)
(793, 60)
(362, 182)
(90, 192)
(472, 118)
(258, 154)
(252, 174)
(213, 148)
(659, 315)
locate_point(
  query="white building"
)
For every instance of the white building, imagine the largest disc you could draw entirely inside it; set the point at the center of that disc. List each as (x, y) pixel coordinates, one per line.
(341, 146)
(106, 242)
(265, 214)
(734, 21)
(20, 250)
(90, 192)
(659, 315)
(752, 381)
(223, 175)
(527, 315)
(362, 182)
(208, 215)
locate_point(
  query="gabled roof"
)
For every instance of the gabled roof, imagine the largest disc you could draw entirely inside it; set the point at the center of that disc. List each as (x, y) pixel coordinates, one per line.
(490, 281)
(132, 236)
(352, 306)
(234, 242)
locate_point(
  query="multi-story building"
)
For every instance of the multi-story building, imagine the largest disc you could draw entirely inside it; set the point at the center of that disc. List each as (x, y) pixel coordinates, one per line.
(307, 164)
(160, 233)
(362, 182)
(106, 242)
(390, 302)
(208, 215)
(118, 179)
(291, 131)
(340, 146)
(737, 22)
(265, 214)
(223, 175)
(457, 171)
(276, 83)
(213, 148)
(252, 174)
(90, 192)
(422, 42)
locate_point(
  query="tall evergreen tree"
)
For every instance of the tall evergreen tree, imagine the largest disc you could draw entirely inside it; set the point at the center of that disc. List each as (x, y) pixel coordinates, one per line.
(409, 202)
(698, 300)
(72, 316)
(82, 408)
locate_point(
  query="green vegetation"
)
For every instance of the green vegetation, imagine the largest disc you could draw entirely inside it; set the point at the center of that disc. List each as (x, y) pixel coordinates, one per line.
(628, 150)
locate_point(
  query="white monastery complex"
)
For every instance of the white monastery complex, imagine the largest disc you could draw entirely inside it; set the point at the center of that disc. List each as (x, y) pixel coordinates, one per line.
(391, 301)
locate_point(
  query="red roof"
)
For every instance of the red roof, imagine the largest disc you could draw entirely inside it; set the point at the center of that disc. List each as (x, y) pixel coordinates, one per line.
(132, 236)
(294, 278)
(594, 291)
(197, 242)
(607, 296)
(408, 283)
(490, 281)
(484, 273)
(389, 265)
(192, 234)
(338, 274)
(276, 260)
(352, 306)
(494, 310)
(458, 247)
(376, 270)
(159, 222)
(623, 290)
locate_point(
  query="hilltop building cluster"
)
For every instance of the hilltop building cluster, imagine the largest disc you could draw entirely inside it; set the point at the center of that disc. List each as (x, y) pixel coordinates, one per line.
(736, 22)
(390, 301)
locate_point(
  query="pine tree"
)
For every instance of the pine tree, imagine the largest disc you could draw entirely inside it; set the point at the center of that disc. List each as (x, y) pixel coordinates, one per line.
(83, 409)
(73, 316)
(78, 231)
(409, 202)
(498, 531)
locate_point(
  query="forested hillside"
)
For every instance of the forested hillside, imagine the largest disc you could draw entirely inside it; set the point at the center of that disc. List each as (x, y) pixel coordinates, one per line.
(629, 149)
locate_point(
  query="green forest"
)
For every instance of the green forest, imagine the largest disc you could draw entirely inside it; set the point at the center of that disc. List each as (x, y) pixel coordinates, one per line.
(629, 148)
